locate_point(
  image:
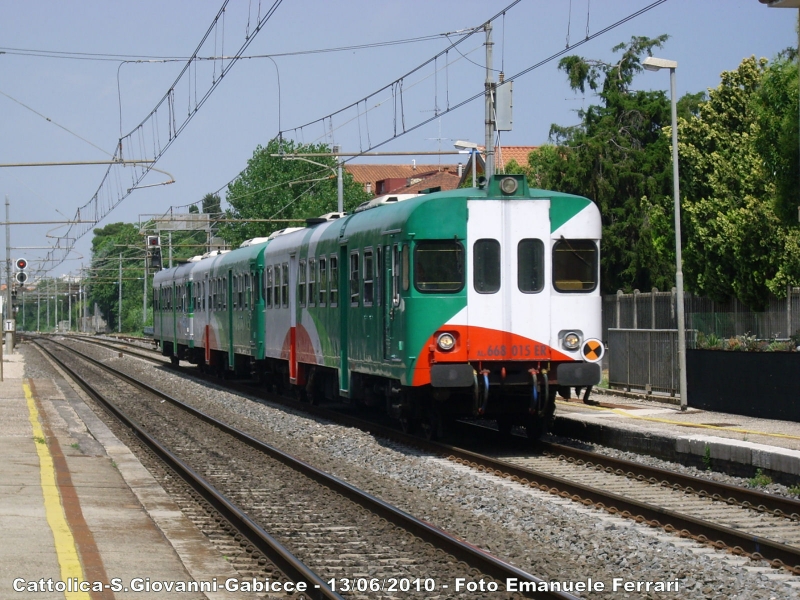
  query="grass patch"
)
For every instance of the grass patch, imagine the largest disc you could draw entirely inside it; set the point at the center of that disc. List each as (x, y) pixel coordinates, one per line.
(760, 479)
(707, 458)
(39, 439)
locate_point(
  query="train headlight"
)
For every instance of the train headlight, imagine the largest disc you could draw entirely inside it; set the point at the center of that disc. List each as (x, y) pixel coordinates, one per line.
(508, 185)
(572, 341)
(446, 342)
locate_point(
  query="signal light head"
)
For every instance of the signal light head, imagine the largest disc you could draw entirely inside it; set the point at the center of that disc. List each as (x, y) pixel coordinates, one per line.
(22, 263)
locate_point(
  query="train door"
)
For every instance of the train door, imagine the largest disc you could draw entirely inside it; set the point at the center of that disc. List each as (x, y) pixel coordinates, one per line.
(344, 312)
(508, 271)
(391, 304)
(227, 281)
(293, 260)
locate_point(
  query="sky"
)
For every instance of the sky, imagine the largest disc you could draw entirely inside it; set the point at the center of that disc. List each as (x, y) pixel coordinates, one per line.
(60, 103)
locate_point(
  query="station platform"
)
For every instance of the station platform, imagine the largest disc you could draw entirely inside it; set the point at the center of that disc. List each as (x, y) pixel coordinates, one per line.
(657, 426)
(77, 506)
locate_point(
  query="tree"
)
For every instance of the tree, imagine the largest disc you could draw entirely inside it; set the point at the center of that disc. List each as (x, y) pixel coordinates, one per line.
(617, 157)
(107, 245)
(737, 240)
(272, 187)
(212, 205)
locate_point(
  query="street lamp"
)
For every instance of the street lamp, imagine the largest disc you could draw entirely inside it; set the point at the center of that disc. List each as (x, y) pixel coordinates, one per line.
(654, 64)
(473, 149)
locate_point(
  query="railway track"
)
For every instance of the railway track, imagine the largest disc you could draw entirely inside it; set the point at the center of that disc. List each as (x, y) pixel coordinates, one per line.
(741, 520)
(334, 536)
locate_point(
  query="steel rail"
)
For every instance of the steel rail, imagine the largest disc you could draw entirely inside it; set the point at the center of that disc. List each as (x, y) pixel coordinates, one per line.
(290, 565)
(459, 549)
(779, 506)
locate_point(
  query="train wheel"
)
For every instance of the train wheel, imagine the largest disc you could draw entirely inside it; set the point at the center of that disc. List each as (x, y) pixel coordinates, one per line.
(536, 427)
(431, 427)
(408, 425)
(504, 425)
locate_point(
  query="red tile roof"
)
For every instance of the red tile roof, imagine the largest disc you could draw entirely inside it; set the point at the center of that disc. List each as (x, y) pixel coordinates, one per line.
(370, 175)
(445, 180)
(505, 154)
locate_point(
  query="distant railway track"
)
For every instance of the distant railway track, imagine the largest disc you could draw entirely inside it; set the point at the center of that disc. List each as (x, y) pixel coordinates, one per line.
(741, 520)
(375, 537)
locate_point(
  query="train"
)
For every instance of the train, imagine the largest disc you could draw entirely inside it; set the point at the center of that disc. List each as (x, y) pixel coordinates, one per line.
(479, 303)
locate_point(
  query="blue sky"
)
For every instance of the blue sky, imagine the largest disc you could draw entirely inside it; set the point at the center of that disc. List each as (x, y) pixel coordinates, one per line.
(707, 37)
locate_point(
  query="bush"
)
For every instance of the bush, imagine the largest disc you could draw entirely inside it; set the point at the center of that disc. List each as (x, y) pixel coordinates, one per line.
(746, 343)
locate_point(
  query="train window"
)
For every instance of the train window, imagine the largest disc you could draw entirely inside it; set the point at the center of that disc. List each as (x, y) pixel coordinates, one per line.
(396, 275)
(574, 265)
(530, 266)
(301, 282)
(378, 273)
(323, 280)
(486, 265)
(354, 281)
(225, 292)
(369, 281)
(406, 271)
(277, 287)
(438, 266)
(248, 290)
(312, 280)
(285, 285)
(268, 287)
(334, 272)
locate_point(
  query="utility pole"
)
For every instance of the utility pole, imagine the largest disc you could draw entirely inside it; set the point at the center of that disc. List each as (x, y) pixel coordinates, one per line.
(9, 317)
(339, 181)
(144, 305)
(489, 87)
(119, 316)
(69, 304)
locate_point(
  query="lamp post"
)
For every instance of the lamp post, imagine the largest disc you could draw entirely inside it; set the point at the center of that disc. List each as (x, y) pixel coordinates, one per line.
(654, 64)
(473, 150)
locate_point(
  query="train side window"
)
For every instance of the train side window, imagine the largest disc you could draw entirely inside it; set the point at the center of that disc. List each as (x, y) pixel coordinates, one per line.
(378, 275)
(369, 281)
(334, 272)
(248, 290)
(277, 289)
(285, 285)
(530, 266)
(438, 266)
(486, 259)
(225, 292)
(396, 275)
(268, 287)
(354, 279)
(406, 270)
(301, 282)
(323, 280)
(312, 281)
(574, 265)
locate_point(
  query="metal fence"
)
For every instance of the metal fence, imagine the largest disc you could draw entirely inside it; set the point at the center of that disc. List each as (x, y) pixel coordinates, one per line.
(641, 332)
(645, 359)
(657, 310)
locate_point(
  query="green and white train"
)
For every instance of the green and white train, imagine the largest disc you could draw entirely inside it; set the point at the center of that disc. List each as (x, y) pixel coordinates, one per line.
(480, 302)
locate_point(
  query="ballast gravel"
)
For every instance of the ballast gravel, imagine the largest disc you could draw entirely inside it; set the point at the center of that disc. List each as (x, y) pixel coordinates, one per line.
(552, 538)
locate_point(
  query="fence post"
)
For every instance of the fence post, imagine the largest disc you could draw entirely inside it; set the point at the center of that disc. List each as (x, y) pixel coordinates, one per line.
(635, 309)
(788, 310)
(653, 293)
(619, 301)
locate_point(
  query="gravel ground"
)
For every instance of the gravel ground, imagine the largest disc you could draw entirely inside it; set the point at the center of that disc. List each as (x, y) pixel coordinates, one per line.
(551, 538)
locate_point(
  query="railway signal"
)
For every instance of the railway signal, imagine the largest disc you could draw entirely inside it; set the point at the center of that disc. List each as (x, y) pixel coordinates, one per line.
(21, 276)
(154, 252)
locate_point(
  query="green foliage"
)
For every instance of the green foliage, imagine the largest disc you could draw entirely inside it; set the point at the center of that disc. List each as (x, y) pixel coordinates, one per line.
(618, 157)
(272, 187)
(707, 457)
(743, 343)
(760, 479)
(795, 490)
(737, 241)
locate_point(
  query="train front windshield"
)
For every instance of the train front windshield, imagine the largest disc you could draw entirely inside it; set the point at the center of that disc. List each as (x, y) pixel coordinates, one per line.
(574, 265)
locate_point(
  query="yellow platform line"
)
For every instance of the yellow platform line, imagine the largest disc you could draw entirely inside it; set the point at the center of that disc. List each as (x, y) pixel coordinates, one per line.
(66, 549)
(625, 413)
